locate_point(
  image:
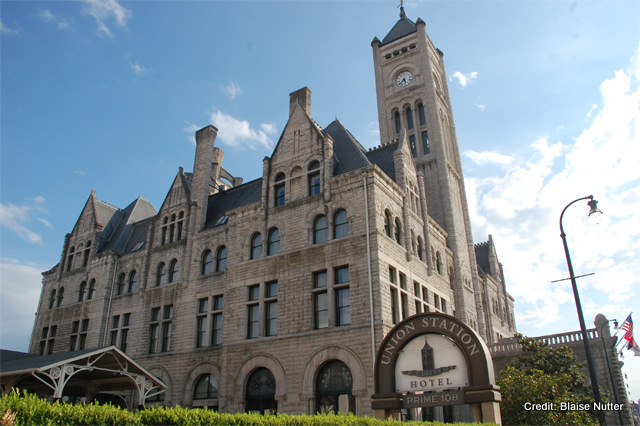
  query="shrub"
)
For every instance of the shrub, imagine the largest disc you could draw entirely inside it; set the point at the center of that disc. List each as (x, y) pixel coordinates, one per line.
(28, 409)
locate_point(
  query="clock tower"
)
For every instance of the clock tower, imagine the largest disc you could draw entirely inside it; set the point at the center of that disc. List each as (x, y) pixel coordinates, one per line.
(413, 99)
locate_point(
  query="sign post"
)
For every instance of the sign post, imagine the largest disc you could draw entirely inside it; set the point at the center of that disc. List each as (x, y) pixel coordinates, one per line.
(431, 360)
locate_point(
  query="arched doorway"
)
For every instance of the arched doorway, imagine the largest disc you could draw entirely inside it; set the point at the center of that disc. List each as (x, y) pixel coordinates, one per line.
(260, 392)
(334, 384)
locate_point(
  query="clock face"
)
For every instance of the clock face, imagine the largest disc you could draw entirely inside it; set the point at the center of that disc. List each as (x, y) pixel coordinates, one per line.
(404, 79)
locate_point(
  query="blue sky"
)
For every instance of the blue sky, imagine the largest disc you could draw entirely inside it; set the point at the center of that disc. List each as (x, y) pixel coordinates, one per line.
(107, 95)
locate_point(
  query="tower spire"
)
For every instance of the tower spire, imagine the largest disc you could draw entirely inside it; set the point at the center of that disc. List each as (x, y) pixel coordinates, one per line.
(402, 14)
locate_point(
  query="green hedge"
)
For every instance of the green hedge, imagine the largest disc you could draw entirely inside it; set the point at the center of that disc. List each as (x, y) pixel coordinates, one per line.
(29, 409)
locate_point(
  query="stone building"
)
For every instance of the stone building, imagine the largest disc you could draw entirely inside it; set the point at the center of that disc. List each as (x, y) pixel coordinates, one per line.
(274, 294)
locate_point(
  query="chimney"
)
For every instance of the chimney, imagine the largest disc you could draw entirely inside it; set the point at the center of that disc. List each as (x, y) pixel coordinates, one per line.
(301, 97)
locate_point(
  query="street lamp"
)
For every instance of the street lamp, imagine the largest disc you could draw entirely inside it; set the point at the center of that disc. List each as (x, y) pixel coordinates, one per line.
(594, 213)
(606, 355)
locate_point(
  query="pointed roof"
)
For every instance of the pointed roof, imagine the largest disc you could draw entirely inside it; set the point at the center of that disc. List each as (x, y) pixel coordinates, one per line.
(348, 153)
(128, 223)
(402, 28)
(220, 203)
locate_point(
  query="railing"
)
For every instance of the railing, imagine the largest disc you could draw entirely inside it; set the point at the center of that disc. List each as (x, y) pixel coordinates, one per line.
(511, 345)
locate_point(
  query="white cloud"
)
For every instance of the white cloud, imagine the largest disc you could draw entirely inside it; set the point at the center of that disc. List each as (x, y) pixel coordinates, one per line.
(464, 79)
(137, 69)
(107, 10)
(487, 157)
(520, 206)
(191, 130)
(15, 218)
(6, 30)
(19, 294)
(232, 90)
(59, 21)
(239, 134)
(40, 199)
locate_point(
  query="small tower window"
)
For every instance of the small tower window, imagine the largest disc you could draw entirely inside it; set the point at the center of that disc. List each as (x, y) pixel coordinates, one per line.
(421, 115)
(398, 122)
(409, 118)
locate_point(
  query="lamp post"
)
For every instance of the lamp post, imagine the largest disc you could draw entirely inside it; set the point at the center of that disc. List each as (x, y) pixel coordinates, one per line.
(594, 212)
(606, 355)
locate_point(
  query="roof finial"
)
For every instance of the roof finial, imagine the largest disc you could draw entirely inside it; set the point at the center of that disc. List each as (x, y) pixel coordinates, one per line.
(402, 14)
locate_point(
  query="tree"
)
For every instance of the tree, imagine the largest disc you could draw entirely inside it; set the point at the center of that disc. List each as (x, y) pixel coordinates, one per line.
(545, 386)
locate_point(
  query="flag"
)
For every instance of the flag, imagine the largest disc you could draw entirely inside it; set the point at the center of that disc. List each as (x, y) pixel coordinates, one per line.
(627, 327)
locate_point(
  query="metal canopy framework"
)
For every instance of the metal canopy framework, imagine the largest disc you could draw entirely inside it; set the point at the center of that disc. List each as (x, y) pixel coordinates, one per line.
(94, 370)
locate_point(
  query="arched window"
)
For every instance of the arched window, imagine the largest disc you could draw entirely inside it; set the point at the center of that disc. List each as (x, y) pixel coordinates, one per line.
(87, 251)
(173, 271)
(82, 290)
(398, 231)
(256, 246)
(60, 297)
(180, 222)
(70, 258)
(334, 384)
(207, 262)
(273, 246)
(314, 178)
(320, 230)
(163, 238)
(92, 289)
(161, 275)
(420, 248)
(206, 387)
(52, 299)
(278, 190)
(172, 228)
(409, 118)
(387, 223)
(260, 392)
(340, 224)
(438, 263)
(221, 259)
(398, 122)
(133, 281)
(121, 281)
(421, 115)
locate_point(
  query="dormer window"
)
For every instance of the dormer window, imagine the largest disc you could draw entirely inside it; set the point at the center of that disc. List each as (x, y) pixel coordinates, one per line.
(172, 229)
(278, 190)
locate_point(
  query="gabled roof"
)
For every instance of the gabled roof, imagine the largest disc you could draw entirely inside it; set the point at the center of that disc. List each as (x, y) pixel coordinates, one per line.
(402, 28)
(220, 203)
(117, 234)
(383, 158)
(348, 153)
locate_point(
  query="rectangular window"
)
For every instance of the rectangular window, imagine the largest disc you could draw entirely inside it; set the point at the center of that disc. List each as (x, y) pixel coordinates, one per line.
(253, 321)
(436, 301)
(166, 328)
(154, 330)
(392, 274)
(443, 303)
(320, 300)
(403, 281)
(412, 144)
(271, 308)
(342, 294)
(51, 340)
(321, 310)
(216, 320)
(394, 305)
(201, 322)
(73, 339)
(425, 142)
(343, 307)
(404, 303)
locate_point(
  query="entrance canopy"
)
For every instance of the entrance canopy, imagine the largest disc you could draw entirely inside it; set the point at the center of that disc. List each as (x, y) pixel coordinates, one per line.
(93, 370)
